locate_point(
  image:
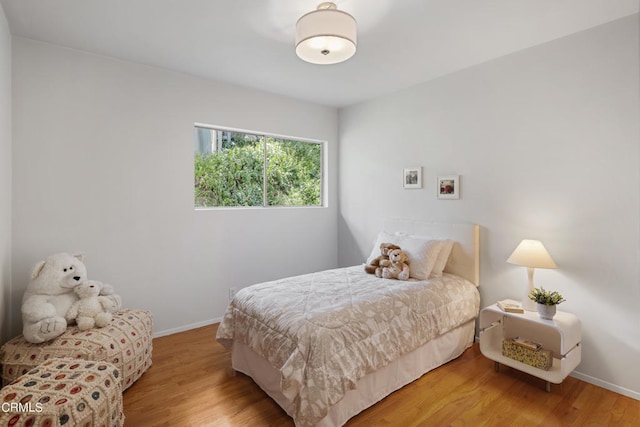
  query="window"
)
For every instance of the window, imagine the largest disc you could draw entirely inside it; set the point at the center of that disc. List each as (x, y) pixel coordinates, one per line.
(233, 168)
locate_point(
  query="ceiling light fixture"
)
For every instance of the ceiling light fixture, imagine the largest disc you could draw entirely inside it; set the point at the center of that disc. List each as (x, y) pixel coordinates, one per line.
(326, 35)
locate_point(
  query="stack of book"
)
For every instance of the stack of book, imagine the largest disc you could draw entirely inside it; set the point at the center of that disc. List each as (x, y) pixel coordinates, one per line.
(510, 306)
(527, 343)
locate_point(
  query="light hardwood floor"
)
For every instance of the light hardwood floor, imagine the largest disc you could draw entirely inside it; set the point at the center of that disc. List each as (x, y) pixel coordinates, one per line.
(191, 384)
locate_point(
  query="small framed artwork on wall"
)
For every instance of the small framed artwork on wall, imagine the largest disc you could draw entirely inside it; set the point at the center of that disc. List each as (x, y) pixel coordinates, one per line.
(448, 187)
(412, 177)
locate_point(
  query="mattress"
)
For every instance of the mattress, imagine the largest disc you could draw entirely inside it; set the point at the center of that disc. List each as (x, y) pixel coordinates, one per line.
(323, 332)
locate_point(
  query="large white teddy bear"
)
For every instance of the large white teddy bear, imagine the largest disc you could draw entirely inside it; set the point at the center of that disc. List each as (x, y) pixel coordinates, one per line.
(50, 294)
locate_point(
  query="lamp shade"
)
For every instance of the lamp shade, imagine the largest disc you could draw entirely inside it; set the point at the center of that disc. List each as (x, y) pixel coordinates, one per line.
(326, 35)
(531, 253)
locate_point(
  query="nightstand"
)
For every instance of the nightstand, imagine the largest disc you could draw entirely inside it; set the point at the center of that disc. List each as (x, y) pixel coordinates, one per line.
(562, 336)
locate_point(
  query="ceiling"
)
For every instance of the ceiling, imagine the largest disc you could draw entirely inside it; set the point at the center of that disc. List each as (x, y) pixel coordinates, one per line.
(250, 42)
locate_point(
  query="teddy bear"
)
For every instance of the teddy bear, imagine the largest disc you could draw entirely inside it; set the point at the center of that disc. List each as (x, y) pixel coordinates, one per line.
(375, 263)
(49, 295)
(91, 309)
(395, 267)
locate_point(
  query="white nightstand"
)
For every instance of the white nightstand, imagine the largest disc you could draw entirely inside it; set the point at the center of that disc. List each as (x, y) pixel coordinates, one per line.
(562, 336)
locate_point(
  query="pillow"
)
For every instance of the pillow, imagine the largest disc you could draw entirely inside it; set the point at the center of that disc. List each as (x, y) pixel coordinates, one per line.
(443, 257)
(423, 252)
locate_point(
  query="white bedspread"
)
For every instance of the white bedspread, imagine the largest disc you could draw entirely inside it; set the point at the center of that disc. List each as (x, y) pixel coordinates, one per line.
(324, 331)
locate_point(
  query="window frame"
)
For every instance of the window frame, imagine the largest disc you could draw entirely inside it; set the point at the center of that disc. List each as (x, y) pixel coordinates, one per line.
(265, 205)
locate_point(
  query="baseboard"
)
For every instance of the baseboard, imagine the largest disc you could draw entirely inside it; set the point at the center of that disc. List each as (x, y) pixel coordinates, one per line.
(606, 385)
(184, 328)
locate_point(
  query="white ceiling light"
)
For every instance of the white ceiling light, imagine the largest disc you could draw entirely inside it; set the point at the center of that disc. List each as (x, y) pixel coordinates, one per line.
(326, 35)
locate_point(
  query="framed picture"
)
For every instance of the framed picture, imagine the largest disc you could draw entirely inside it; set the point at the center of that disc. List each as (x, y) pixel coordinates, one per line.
(448, 187)
(412, 177)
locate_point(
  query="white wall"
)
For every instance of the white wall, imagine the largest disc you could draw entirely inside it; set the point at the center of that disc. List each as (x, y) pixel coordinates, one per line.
(5, 176)
(103, 163)
(547, 145)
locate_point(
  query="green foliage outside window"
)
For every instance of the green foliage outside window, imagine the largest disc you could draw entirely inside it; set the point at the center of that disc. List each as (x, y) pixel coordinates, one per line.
(293, 173)
(232, 174)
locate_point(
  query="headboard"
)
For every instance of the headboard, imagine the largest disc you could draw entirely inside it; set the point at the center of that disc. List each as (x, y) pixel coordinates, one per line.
(464, 260)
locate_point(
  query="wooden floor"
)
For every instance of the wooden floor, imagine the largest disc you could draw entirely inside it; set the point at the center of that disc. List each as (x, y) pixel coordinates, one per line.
(191, 384)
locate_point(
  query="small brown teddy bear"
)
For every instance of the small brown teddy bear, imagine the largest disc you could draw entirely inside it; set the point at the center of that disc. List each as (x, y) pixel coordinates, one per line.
(395, 267)
(384, 255)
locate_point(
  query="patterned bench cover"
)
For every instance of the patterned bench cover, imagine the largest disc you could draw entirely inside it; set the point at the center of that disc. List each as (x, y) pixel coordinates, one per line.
(126, 343)
(64, 392)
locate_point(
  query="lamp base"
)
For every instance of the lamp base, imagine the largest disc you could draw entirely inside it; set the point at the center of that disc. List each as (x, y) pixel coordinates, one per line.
(529, 304)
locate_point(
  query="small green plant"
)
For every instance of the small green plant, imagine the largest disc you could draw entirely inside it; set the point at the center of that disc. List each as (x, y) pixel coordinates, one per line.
(541, 296)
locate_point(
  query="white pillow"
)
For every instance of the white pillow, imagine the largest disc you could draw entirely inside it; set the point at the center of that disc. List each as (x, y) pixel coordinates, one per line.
(423, 252)
(443, 257)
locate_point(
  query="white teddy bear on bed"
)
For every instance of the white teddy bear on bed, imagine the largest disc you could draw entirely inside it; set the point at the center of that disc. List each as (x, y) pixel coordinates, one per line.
(91, 309)
(50, 294)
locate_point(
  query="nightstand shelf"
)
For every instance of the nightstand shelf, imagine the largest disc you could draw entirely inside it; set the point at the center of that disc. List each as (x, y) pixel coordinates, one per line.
(562, 336)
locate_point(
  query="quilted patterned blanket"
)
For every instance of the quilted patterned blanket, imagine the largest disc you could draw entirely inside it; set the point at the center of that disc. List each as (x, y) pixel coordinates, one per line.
(324, 331)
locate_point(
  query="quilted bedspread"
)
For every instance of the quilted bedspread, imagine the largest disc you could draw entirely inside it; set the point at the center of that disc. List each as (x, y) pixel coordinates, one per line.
(324, 331)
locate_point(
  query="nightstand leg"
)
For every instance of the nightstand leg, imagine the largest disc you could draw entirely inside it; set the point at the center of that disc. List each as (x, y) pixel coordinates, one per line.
(548, 387)
(496, 366)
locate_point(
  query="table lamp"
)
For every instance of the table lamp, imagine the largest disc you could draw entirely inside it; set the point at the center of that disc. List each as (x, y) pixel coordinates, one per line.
(531, 254)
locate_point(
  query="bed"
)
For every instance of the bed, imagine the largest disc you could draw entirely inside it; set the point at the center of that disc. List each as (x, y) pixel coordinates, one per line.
(327, 345)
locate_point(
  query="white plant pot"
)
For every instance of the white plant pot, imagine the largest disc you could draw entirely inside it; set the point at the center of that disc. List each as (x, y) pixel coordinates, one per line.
(546, 311)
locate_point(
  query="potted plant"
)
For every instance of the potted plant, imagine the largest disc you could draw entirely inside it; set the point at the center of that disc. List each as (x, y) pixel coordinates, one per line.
(547, 301)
